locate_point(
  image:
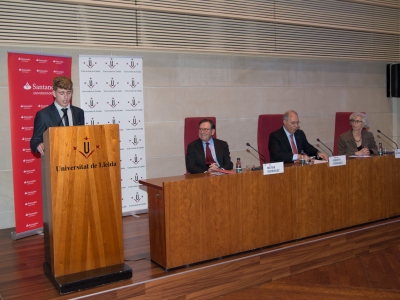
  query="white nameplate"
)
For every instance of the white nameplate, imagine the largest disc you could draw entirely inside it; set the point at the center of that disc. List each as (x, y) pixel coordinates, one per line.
(397, 153)
(335, 161)
(274, 168)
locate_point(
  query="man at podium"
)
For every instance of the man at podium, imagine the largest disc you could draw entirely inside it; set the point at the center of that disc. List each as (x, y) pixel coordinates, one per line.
(59, 113)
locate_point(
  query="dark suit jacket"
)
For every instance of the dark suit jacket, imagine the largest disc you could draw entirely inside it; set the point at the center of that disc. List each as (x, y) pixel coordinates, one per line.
(279, 146)
(49, 117)
(196, 160)
(347, 145)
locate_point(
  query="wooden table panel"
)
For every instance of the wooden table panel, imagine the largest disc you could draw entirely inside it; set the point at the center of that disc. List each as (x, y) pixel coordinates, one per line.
(212, 216)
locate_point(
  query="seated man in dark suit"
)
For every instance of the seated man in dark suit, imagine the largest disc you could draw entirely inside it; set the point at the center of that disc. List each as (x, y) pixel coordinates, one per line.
(59, 113)
(287, 142)
(207, 154)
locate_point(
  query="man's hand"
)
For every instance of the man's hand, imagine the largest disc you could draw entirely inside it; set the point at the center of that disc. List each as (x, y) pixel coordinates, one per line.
(213, 167)
(322, 155)
(40, 148)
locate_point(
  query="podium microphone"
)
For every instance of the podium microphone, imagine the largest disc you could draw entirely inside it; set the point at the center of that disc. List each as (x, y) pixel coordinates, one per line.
(262, 156)
(318, 140)
(397, 147)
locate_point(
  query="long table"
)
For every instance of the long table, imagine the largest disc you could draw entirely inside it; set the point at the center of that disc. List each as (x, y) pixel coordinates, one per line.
(193, 218)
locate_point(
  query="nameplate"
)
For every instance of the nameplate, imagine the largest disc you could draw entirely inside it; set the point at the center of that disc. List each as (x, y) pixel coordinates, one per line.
(274, 168)
(335, 161)
(397, 153)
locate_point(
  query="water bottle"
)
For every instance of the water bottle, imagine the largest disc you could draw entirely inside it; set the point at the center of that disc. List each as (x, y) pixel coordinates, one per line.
(302, 158)
(380, 149)
(238, 166)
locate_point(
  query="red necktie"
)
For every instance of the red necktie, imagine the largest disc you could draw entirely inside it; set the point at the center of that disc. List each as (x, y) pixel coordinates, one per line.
(294, 148)
(209, 158)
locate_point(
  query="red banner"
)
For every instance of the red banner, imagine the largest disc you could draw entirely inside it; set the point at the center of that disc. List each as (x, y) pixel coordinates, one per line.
(30, 78)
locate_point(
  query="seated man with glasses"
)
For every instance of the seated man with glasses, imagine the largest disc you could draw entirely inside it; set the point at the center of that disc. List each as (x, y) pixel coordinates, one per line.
(206, 153)
(357, 141)
(287, 142)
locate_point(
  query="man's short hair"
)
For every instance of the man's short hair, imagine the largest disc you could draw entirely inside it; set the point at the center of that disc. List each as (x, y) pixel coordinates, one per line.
(62, 82)
(286, 114)
(209, 121)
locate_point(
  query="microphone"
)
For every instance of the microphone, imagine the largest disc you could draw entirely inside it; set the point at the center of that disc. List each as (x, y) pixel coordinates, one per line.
(62, 118)
(397, 147)
(318, 140)
(262, 156)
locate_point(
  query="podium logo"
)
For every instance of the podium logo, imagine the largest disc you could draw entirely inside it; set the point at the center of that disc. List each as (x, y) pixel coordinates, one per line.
(91, 103)
(134, 122)
(133, 102)
(90, 64)
(132, 64)
(112, 83)
(137, 197)
(32, 225)
(113, 103)
(29, 182)
(133, 84)
(28, 161)
(87, 152)
(135, 141)
(90, 83)
(32, 203)
(111, 64)
(27, 86)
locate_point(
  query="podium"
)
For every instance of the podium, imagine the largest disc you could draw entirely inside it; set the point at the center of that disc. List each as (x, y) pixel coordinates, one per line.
(82, 209)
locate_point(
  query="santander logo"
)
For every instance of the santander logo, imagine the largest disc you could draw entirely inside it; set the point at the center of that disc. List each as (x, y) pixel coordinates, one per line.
(27, 86)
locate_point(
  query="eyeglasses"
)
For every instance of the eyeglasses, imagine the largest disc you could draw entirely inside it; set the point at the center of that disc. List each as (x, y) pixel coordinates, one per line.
(204, 129)
(355, 121)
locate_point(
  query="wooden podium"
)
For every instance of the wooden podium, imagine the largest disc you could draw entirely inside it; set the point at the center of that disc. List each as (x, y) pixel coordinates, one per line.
(82, 211)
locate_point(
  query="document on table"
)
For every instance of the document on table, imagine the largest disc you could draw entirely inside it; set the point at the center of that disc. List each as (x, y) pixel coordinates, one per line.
(317, 161)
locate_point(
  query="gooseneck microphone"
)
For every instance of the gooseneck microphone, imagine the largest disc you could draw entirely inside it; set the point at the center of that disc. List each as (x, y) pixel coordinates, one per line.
(318, 140)
(262, 156)
(397, 147)
(62, 118)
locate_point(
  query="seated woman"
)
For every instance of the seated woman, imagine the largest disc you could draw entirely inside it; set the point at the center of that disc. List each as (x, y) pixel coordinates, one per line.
(357, 141)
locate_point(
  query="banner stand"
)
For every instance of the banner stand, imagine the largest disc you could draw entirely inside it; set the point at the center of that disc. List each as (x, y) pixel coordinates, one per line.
(16, 236)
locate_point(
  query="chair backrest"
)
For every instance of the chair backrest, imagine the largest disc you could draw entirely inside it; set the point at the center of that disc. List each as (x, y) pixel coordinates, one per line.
(191, 130)
(266, 125)
(342, 124)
